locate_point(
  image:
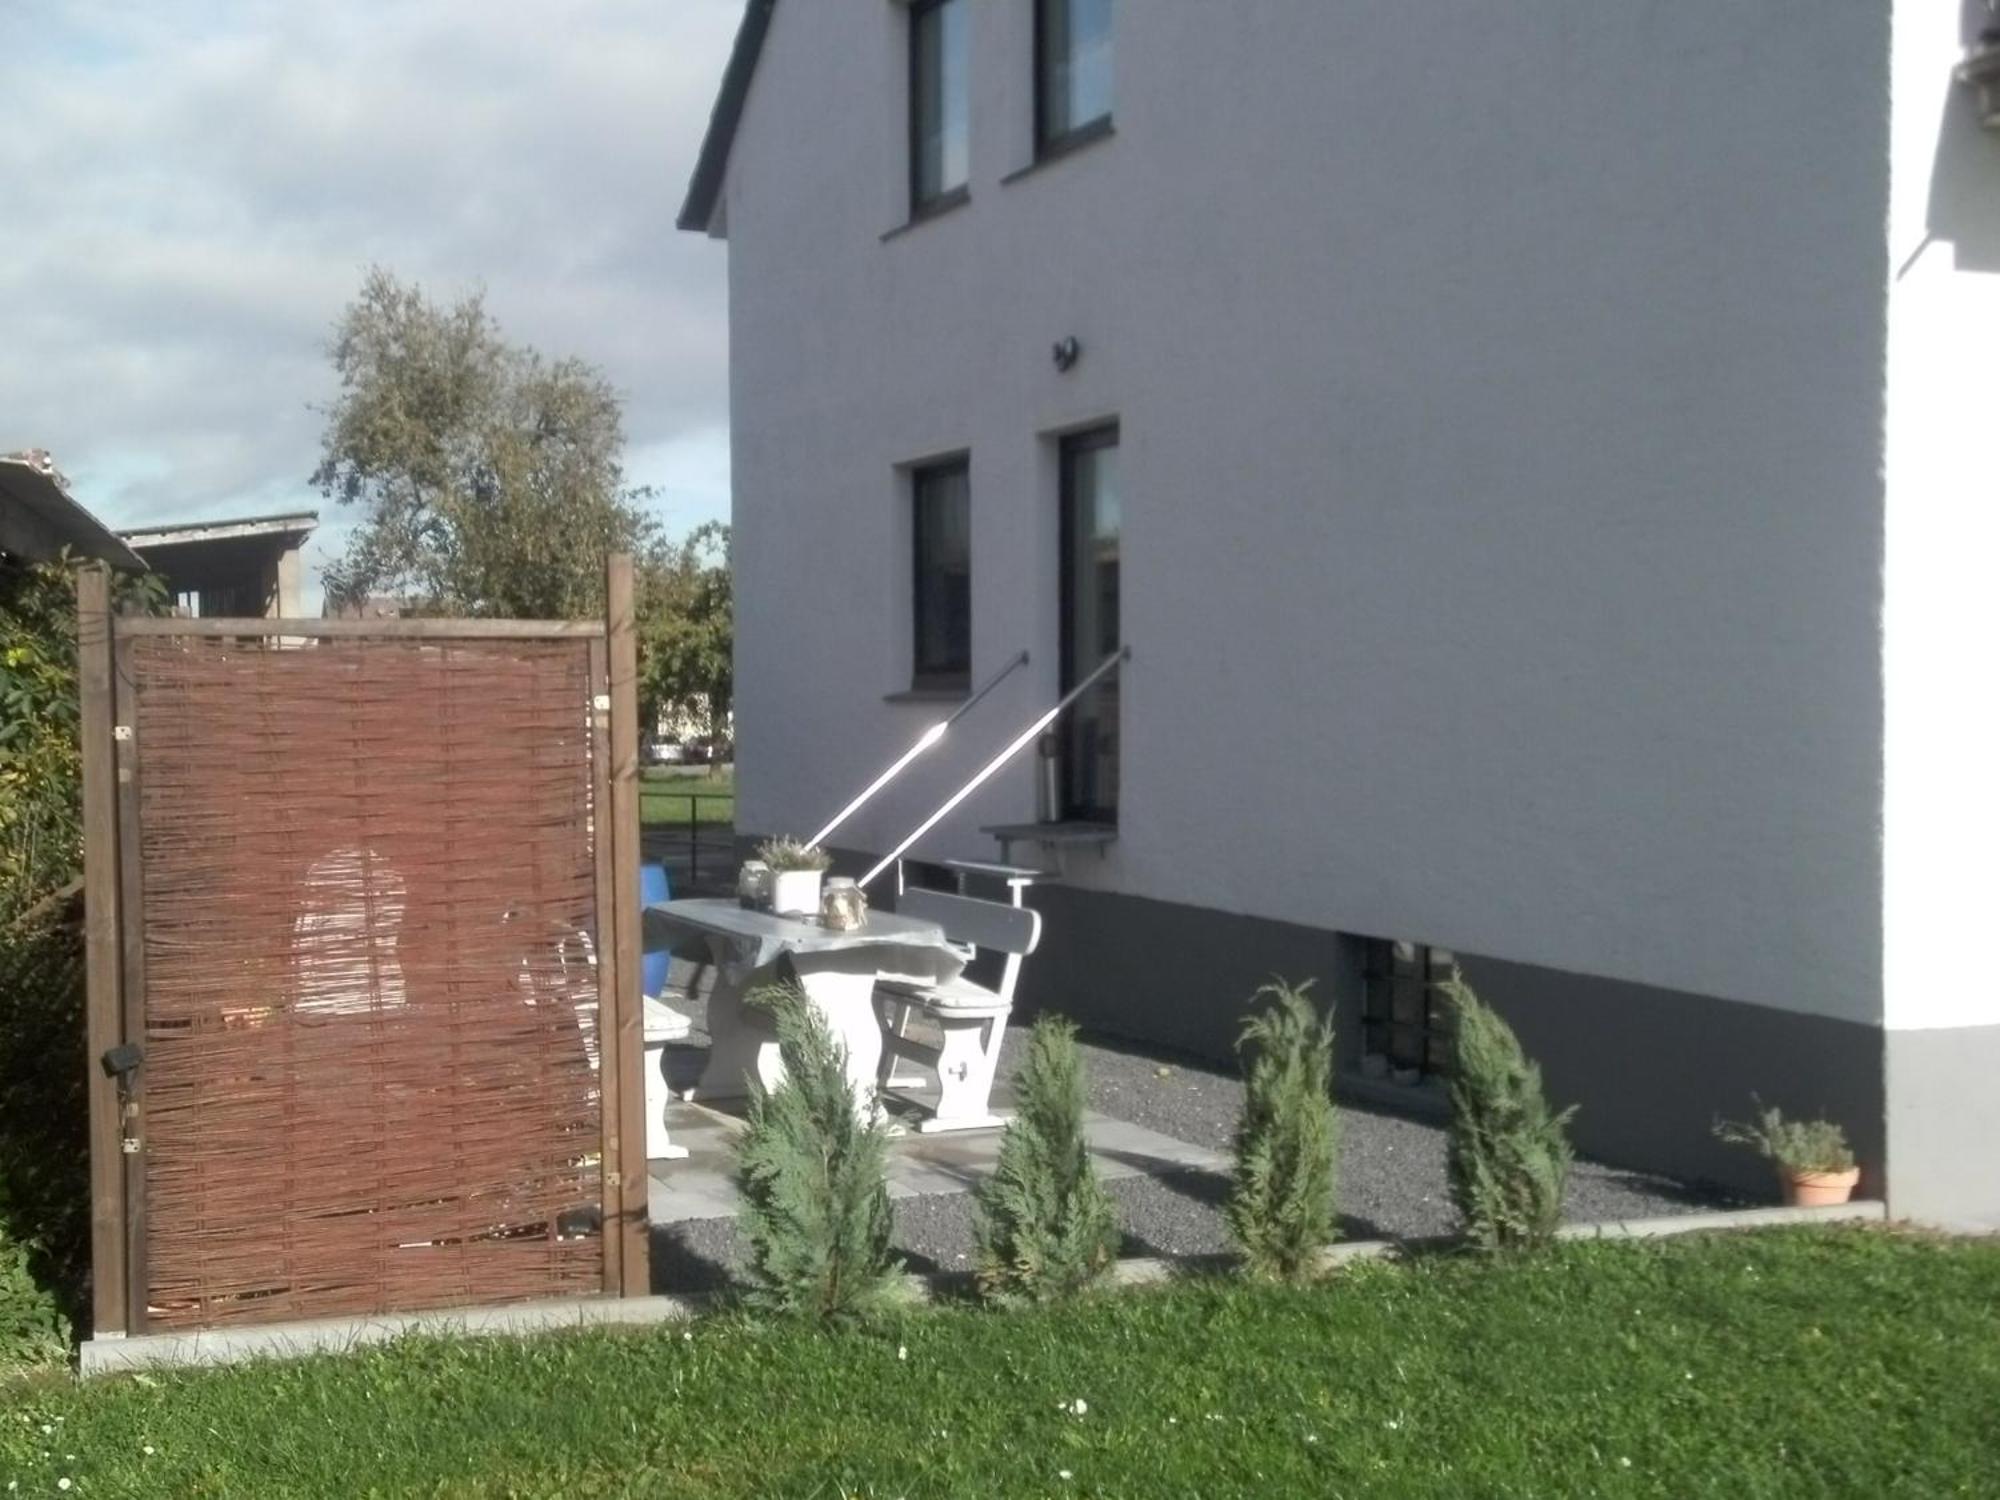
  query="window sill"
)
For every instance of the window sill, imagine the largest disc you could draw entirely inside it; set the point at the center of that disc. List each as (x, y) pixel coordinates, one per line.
(929, 695)
(937, 208)
(1065, 146)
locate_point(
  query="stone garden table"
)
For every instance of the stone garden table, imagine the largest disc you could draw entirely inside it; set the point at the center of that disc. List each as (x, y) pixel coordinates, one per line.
(837, 970)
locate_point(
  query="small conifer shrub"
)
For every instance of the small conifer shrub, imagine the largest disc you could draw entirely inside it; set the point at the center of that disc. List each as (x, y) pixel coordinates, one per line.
(1281, 1210)
(812, 1174)
(1044, 1226)
(1508, 1156)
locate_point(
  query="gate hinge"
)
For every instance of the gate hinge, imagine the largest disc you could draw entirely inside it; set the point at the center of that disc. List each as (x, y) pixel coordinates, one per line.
(602, 703)
(121, 733)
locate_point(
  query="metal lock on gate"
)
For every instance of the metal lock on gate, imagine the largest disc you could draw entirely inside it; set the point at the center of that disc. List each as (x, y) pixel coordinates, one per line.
(120, 1063)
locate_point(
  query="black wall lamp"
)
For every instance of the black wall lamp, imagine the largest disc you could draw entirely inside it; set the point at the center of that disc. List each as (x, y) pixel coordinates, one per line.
(1067, 352)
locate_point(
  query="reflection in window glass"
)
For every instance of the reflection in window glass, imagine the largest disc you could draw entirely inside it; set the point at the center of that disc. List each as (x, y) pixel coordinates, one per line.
(1091, 526)
(940, 119)
(1075, 83)
(942, 526)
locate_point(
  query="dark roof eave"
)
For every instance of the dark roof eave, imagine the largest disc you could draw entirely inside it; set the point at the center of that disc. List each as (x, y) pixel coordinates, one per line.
(705, 187)
(39, 517)
(298, 524)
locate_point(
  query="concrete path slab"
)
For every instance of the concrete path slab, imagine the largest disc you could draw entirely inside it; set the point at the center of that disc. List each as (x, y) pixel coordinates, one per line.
(702, 1186)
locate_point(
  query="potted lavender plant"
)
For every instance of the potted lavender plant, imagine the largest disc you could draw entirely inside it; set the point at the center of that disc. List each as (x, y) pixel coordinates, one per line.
(796, 872)
(1815, 1167)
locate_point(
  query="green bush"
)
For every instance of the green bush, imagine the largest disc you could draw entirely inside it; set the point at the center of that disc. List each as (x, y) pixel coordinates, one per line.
(44, 1128)
(33, 1330)
(1281, 1210)
(812, 1175)
(1044, 1226)
(44, 1117)
(41, 814)
(1508, 1156)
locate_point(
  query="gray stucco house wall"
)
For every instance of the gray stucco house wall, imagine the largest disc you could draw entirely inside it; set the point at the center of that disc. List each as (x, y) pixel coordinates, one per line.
(1515, 514)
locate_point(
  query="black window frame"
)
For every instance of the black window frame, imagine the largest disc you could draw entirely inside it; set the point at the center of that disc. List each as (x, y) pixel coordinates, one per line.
(953, 676)
(1403, 1020)
(1052, 143)
(923, 205)
(1069, 448)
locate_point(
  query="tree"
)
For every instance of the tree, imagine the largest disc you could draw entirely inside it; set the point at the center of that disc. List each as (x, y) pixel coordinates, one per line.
(1508, 1155)
(1281, 1207)
(1043, 1224)
(686, 632)
(490, 475)
(813, 1176)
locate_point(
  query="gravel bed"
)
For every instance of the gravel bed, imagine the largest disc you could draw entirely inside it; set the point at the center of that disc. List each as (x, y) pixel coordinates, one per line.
(1391, 1180)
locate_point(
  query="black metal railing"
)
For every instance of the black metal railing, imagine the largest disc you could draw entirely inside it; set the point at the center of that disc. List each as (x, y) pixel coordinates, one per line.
(687, 833)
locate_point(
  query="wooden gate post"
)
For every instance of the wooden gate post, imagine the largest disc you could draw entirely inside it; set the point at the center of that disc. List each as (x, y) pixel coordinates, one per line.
(610, 1180)
(104, 1022)
(626, 1094)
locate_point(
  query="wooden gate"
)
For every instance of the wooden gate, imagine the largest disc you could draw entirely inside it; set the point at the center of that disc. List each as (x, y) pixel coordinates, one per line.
(363, 939)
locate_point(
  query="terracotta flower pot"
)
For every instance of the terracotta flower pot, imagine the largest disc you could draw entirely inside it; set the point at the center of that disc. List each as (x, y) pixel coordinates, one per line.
(1818, 1189)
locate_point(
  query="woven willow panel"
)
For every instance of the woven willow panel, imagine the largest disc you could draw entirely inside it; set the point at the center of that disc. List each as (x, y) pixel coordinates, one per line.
(370, 994)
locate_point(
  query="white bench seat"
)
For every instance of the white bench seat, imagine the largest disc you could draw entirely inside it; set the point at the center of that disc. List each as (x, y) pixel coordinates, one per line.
(958, 999)
(663, 1024)
(970, 1018)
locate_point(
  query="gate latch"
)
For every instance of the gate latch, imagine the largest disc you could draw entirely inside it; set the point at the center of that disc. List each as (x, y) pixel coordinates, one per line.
(121, 1062)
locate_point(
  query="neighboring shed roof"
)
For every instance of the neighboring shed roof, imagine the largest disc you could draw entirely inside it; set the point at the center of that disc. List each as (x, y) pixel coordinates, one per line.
(705, 187)
(297, 523)
(39, 518)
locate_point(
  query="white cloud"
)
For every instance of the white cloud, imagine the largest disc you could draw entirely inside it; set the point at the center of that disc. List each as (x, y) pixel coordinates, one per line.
(193, 189)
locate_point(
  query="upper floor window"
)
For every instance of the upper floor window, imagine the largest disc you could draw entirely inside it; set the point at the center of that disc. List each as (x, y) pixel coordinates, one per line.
(940, 119)
(942, 620)
(1072, 70)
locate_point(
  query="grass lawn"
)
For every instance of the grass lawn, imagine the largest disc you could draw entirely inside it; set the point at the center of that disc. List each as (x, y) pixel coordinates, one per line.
(663, 795)
(1791, 1362)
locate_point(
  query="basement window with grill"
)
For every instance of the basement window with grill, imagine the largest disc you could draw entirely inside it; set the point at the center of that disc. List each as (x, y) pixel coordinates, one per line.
(1405, 1027)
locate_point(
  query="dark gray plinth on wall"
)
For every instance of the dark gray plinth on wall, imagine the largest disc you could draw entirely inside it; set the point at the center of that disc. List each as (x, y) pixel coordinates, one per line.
(1651, 1069)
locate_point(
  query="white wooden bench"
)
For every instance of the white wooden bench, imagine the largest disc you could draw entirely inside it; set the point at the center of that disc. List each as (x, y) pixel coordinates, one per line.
(970, 1018)
(663, 1024)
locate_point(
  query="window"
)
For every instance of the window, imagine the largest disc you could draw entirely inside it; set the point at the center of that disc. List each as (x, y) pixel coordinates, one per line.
(942, 525)
(1072, 71)
(1090, 629)
(940, 132)
(1403, 1025)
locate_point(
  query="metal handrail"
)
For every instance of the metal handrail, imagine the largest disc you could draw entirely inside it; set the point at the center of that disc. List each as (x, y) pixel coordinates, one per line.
(1027, 736)
(925, 740)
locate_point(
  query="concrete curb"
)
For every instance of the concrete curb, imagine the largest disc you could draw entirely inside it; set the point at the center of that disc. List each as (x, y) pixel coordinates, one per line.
(220, 1346)
(1152, 1270)
(1861, 1211)
(106, 1356)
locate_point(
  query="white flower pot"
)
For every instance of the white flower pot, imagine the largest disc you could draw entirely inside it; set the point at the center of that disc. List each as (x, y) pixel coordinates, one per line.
(796, 892)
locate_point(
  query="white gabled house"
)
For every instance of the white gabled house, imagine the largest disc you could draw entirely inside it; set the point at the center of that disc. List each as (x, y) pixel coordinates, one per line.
(1539, 457)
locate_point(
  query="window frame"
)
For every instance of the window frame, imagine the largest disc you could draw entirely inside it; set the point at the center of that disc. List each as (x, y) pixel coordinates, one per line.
(923, 677)
(924, 206)
(1402, 1020)
(1050, 144)
(1070, 447)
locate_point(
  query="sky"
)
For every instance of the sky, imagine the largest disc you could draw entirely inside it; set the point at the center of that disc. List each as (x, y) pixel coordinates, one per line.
(192, 190)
